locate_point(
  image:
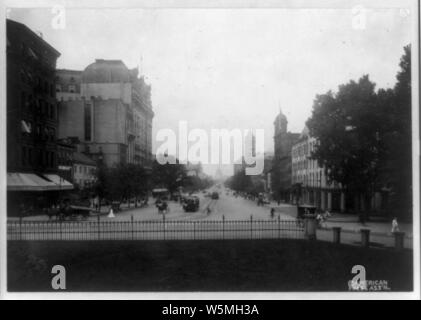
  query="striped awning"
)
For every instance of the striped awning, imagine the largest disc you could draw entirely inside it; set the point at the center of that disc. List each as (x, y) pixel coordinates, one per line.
(17, 181)
(63, 184)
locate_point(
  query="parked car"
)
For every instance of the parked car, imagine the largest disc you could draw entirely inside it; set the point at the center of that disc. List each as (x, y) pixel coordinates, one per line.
(215, 195)
(191, 204)
(305, 209)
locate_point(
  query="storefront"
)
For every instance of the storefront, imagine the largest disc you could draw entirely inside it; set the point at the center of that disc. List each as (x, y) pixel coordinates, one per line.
(30, 193)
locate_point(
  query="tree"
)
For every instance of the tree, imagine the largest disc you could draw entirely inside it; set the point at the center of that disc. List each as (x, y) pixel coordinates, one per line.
(170, 176)
(123, 181)
(346, 127)
(397, 164)
(240, 182)
(364, 137)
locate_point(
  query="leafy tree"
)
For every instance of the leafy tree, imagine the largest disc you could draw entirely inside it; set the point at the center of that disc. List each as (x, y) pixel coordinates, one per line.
(397, 164)
(345, 125)
(240, 182)
(122, 181)
(364, 137)
(170, 176)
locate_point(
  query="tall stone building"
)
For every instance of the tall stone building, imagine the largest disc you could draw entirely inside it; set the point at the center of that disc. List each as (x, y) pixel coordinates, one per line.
(32, 176)
(281, 168)
(315, 188)
(108, 108)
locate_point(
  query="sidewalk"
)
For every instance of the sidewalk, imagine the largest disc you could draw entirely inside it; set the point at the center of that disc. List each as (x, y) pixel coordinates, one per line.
(349, 222)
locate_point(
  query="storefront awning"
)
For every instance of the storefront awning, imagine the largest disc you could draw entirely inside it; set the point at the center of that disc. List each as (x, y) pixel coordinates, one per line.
(63, 184)
(32, 182)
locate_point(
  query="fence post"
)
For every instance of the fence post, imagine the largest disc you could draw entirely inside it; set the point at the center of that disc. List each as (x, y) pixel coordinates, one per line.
(163, 219)
(61, 229)
(223, 227)
(310, 226)
(399, 240)
(131, 220)
(20, 228)
(99, 228)
(336, 235)
(365, 237)
(251, 226)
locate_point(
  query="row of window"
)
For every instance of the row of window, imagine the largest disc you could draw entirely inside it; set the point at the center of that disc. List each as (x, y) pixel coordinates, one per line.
(64, 158)
(31, 105)
(70, 88)
(37, 157)
(312, 179)
(38, 131)
(82, 183)
(42, 86)
(305, 164)
(304, 149)
(84, 170)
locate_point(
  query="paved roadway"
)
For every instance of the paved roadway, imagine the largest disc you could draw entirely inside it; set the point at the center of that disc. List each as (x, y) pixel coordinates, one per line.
(199, 225)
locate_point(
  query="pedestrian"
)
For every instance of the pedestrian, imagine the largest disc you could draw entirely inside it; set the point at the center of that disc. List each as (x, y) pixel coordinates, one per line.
(395, 225)
(96, 203)
(272, 212)
(319, 220)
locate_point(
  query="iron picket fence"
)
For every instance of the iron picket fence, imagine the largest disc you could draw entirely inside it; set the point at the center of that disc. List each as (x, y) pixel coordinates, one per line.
(155, 229)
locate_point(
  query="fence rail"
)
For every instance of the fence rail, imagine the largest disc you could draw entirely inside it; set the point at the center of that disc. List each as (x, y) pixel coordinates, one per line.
(155, 230)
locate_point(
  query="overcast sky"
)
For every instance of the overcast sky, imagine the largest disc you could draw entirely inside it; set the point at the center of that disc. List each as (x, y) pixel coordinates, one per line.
(232, 68)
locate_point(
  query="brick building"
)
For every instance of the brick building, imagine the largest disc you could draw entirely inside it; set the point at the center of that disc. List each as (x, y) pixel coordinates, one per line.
(31, 119)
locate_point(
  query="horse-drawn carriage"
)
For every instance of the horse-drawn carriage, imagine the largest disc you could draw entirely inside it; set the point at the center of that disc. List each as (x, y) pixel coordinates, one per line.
(69, 212)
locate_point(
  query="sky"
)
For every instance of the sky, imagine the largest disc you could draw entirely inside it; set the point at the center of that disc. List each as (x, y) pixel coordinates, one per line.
(232, 68)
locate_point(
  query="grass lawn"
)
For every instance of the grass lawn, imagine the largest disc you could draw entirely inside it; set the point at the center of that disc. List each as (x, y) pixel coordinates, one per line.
(217, 265)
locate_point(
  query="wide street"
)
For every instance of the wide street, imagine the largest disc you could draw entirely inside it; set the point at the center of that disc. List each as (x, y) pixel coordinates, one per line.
(240, 215)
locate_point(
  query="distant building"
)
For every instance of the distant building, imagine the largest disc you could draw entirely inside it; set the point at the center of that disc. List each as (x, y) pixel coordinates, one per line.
(68, 84)
(84, 171)
(219, 176)
(32, 173)
(267, 173)
(108, 107)
(66, 149)
(281, 165)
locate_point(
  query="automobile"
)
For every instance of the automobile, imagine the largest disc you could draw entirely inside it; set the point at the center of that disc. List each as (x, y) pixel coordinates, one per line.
(302, 210)
(215, 195)
(191, 204)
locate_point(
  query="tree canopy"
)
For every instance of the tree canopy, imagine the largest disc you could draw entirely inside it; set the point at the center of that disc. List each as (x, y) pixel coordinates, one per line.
(364, 136)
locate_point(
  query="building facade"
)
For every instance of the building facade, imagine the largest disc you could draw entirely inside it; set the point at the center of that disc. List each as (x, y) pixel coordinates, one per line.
(281, 166)
(31, 119)
(316, 189)
(311, 180)
(84, 171)
(108, 108)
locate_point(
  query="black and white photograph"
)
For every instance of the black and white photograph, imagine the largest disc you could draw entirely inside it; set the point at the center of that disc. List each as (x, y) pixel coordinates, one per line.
(210, 150)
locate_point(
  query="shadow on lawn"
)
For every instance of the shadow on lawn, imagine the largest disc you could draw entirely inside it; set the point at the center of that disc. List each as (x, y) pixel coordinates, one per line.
(218, 265)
